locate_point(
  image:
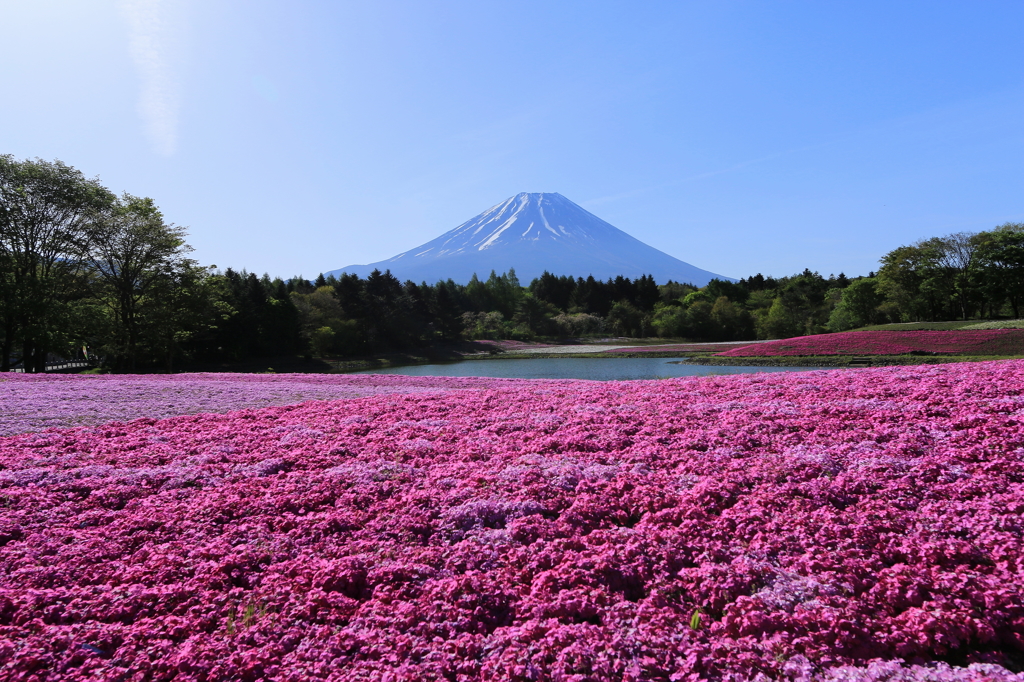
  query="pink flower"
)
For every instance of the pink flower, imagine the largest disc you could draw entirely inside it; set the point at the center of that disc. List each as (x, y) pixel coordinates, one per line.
(819, 526)
(957, 342)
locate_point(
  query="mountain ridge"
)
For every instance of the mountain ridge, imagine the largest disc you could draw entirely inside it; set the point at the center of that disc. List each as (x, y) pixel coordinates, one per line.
(533, 232)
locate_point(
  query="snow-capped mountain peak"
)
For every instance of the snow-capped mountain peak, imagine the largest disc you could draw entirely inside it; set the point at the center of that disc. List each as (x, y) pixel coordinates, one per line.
(524, 217)
(533, 232)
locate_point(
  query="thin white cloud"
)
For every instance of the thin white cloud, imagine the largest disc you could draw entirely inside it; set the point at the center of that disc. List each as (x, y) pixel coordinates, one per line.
(149, 43)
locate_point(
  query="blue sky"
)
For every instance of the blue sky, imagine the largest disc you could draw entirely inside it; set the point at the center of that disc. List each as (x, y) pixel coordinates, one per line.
(741, 137)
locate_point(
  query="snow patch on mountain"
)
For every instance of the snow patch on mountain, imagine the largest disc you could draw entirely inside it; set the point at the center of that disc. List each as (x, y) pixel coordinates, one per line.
(534, 232)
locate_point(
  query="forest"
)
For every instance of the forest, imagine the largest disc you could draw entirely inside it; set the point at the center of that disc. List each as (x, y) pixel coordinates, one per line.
(86, 273)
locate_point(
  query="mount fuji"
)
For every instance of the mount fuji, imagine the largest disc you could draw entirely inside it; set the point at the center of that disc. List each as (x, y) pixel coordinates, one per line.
(534, 232)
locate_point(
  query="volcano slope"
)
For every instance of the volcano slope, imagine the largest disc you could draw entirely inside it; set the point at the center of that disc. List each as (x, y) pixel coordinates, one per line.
(534, 232)
(831, 525)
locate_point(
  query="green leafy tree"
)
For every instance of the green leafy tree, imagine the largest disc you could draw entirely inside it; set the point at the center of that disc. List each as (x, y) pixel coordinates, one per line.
(934, 279)
(485, 325)
(957, 261)
(699, 323)
(386, 323)
(1000, 257)
(737, 293)
(901, 278)
(320, 310)
(555, 290)
(780, 322)
(479, 295)
(578, 324)
(674, 291)
(697, 296)
(505, 293)
(625, 319)
(669, 321)
(182, 311)
(46, 217)
(858, 306)
(136, 261)
(592, 296)
(731, 321)
(646, 293)
(321, 341)
(446, 312)
(535, 315)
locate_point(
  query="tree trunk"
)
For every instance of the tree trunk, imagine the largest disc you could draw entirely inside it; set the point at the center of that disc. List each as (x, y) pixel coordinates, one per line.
(8, 346)
(33, 358)
(40, 360)
(26, 357)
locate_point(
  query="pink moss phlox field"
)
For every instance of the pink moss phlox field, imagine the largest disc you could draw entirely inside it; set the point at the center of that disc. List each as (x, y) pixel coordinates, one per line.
(819, 526)
(957, 342)
(36, 402)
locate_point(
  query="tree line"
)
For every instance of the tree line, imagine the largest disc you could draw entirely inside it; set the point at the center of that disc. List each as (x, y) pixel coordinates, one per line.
(86, 272)
(960, 276)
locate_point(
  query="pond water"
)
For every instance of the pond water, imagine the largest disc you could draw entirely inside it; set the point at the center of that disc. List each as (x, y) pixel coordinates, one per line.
(599, 369)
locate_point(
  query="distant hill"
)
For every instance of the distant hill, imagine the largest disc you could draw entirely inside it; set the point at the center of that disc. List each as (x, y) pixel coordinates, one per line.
(534, 232)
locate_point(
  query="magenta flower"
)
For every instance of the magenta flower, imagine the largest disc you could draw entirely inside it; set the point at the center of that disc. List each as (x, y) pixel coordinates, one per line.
(957, 342)
(821, 526)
